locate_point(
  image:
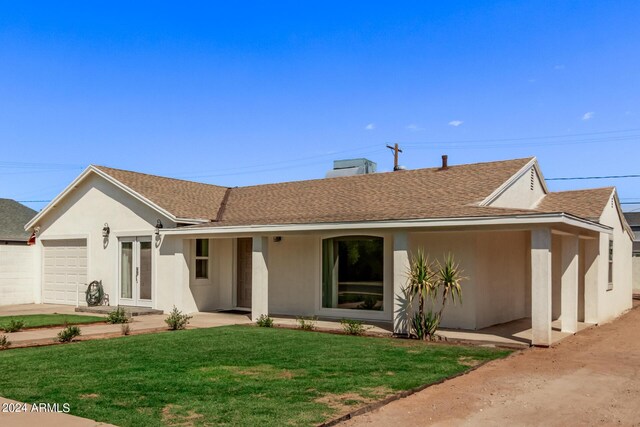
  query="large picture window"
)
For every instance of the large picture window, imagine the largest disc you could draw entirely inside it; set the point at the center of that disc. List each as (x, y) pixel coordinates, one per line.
(352, 273)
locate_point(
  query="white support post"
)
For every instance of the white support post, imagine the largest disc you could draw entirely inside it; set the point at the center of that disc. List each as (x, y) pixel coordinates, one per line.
(400, 268)
(541, 287)
(569, 284)
(596, 253)
(259, 278)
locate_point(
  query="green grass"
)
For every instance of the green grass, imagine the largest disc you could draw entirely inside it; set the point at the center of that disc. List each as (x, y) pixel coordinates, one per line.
(234, 375)
(42, 320)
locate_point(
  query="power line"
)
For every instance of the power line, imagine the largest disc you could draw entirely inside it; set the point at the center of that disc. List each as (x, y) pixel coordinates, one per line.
(573, 178)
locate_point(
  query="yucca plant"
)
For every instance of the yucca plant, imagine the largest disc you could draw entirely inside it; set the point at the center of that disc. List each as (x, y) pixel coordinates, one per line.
(420, 284)
(449, 277)
(424, 281)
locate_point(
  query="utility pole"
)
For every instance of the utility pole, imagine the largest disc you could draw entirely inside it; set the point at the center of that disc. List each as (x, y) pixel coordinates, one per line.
(396, 150)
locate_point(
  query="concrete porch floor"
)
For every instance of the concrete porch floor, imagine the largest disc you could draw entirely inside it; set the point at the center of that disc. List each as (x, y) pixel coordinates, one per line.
(516, 333)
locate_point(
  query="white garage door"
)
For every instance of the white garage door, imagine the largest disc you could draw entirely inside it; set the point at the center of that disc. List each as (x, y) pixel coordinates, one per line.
(65, 267)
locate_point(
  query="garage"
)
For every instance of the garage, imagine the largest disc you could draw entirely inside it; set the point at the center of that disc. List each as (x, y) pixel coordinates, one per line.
(65, 267)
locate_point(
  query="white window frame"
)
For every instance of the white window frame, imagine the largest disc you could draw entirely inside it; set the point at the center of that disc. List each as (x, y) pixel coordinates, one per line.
(206, 258)
(386, 314)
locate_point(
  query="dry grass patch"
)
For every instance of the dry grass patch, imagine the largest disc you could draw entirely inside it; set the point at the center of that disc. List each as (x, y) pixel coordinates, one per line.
(89, 396)
(175, 415)
(345, 402)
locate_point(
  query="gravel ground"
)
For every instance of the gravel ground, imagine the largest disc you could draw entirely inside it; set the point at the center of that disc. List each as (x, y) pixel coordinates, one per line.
(592, 378)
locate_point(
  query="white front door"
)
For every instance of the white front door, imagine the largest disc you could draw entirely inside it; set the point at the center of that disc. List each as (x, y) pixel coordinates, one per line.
(136, 271)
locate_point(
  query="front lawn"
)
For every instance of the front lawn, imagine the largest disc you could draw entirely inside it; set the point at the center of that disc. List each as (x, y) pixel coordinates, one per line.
(234, 375)
(43, 320)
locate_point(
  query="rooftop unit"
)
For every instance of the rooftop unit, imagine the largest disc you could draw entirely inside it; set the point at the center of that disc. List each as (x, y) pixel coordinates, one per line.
(350, 167)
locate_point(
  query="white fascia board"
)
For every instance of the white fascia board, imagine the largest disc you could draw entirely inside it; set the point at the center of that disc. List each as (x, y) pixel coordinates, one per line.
(59, 197)
(529, 220)
(91, 169)
(508, 183)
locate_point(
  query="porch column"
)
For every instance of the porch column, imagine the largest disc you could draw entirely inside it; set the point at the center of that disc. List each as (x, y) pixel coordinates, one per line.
(400, 267)
(595, 254)
(569, 284)
(259, 278)
(541, 287)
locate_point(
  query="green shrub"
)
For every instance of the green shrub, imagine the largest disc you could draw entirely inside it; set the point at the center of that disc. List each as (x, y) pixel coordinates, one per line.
(68, 334)
(119, 315)
(13, 326)
(353, 327)
(307, 324)
(177, 320)
(4, 342)
(264, 321)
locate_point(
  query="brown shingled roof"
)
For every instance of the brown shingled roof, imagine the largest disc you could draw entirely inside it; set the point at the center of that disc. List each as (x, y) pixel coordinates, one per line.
(420, 193)
(183, 199)
(587, 204)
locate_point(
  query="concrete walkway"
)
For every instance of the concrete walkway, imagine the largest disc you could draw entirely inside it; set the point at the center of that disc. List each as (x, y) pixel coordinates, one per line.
(138, 325)
(42, 419)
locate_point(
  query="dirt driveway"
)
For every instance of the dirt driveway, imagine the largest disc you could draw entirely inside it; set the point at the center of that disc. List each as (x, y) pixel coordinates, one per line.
(592, 378)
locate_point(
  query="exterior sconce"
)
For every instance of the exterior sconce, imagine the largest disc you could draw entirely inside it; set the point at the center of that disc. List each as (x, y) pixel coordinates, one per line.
(277, 239)
(158, 227)
(106, 230)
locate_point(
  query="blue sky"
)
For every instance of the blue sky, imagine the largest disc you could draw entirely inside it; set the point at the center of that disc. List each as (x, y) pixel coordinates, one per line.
(238, 93)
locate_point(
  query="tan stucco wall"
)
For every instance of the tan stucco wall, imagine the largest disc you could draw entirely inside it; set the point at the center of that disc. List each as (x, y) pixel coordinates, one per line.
(294, 275)
(82, 214)
(502, 279)
(462, 246)
(635, 262)
(520, 194)
(616, 301)
(17, 274)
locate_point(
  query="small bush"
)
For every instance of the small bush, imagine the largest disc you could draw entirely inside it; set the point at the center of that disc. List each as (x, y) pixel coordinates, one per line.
(125, 329)
(119, 315)
(264, 321)
(4, 342)
(13, 326)
(68, 334)
(177, 320)
(353, 327)
(307, 324)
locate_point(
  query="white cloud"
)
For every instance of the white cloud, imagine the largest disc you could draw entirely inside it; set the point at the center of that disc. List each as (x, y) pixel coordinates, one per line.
(455, 123)
(414, 128)
(559, 67)
(370, 126)
(588, 115)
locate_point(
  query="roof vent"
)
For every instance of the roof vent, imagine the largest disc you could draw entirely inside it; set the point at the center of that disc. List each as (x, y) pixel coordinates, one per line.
(349, 167)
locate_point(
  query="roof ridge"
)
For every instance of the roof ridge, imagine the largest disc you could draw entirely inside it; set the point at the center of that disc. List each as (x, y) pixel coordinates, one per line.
(360, 176)
(608, 187)
(102, 167)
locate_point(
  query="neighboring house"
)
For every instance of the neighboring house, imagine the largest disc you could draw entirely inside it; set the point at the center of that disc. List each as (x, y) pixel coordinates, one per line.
(633, 218)
(17, 260)
(340, 247)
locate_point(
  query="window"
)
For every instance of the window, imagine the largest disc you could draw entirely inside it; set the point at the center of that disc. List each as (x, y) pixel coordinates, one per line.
(610, 285)
(202, 258)
(352, 273)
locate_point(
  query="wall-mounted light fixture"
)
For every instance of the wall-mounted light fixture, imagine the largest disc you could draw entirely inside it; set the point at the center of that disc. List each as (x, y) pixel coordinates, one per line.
(277, 239)
(106, 230)
(158, 227)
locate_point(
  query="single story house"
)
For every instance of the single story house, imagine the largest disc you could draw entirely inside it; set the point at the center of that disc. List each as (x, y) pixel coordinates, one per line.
(633, 218)
(17, 259)
(340, 247)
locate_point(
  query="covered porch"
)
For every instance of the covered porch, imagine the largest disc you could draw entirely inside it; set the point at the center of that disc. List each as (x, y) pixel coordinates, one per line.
(527, 283)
